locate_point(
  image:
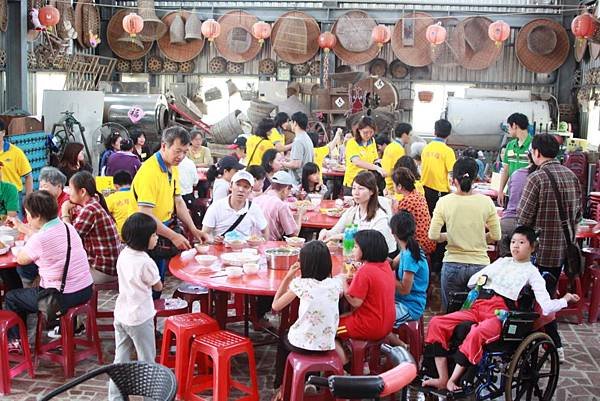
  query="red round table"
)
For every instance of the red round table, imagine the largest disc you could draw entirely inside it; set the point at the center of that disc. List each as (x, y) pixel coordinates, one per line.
(317, 220)
(8, 261)
(265, 282)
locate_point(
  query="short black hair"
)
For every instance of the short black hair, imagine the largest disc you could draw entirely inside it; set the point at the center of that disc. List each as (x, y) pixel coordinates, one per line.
(402, 128)
(442, 128)
(315, 260)
(301, 119)
(546, 144)
(404, 177)
(122, 178)
(41, 204)
(281, 118)
(372, 245)
(264, 127)
(314, 137)
(126, 145)
(528, 232)
(409, 163)
(268, 158)
(518, 118)
(137, 230)
(382, 139)
(258, 172)
(470, 152)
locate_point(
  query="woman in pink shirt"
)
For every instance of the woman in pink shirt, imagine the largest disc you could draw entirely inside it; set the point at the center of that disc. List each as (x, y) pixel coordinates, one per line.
(48, 248)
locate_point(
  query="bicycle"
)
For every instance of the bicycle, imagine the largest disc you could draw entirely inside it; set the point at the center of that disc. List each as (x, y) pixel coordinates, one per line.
(63, 132)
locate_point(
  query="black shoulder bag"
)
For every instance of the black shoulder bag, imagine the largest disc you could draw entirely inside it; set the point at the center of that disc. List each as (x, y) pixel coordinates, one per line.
(165, 249)
(49, 300)
(238, 221)
(573, 260)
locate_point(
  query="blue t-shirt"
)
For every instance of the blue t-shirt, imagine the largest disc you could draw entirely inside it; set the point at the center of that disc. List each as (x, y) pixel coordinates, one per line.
(416, 299)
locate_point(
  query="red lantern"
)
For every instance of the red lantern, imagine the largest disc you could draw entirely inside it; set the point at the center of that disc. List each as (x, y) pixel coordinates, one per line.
(261, 31)
(583, 26)
(499, 31)
(49, 16)
(327, 41)
(211, 29)
(133, 24)
(435, 34)
(381, 35)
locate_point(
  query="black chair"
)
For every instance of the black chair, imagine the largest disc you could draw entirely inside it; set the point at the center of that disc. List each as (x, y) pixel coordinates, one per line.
(132, 378)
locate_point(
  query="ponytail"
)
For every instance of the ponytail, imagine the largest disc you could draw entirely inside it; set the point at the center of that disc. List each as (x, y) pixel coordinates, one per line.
(85, 180)
(465, 171)
(213, 172)
(403, 227)
(413, 246)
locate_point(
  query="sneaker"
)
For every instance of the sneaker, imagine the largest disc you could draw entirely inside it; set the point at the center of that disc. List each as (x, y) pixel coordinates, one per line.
(14, 346)
(55, 332)
(561, 354)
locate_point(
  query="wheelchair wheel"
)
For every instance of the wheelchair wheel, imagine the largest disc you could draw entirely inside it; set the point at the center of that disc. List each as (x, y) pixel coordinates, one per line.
(533, 370)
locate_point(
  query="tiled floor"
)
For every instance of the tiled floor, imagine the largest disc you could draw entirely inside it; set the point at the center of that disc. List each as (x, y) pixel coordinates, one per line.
(579, 376)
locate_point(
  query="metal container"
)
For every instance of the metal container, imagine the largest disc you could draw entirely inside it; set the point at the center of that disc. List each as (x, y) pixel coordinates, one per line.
(156, 112)
(281, 258)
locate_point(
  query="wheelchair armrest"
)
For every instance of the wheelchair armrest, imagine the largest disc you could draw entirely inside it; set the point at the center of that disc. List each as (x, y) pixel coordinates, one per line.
(516, 315)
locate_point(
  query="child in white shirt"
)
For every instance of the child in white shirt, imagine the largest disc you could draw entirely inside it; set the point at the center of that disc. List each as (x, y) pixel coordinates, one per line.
(318, 314)
(134, 308)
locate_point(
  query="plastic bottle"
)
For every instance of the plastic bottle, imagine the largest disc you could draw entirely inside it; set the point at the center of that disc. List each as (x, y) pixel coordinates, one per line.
(502, 314)
(348, 241)
(474, 293)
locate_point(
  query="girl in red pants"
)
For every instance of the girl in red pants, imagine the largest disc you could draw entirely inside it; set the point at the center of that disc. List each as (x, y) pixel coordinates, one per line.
(506, 277)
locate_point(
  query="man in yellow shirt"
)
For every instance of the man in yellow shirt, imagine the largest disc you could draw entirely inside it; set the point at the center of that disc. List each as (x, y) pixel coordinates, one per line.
(122, 203)
(437, 160)
(393, 152)
(156, 188)
(16, 165)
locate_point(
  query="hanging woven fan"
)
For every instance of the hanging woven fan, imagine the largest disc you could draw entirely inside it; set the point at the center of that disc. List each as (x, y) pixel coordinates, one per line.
(295, 37)
(235, 42)
(291, 35)
(354, 31)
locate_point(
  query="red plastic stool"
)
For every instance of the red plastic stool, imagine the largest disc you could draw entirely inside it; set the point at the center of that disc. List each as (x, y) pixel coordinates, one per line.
(365, 351)
(413, 334)
(104, 314)
(183, 329)
(298, 365)
(575, 309)
(220, 346)
(191, 293)
(166, 307)
(593, 276)
(66, 345)
(10, 319)
(2, 294)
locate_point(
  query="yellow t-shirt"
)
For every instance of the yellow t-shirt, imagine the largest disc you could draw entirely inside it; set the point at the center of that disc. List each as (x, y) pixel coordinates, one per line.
(121, 205)
(256, 148)
(15, 163)
(320, 154)
(275, 136)
(391, 154)
(437, 160)
(466, 218)
(366, 153)
(153, 187)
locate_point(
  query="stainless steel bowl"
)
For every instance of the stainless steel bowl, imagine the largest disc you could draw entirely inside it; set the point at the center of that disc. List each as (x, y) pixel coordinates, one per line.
(281, 258)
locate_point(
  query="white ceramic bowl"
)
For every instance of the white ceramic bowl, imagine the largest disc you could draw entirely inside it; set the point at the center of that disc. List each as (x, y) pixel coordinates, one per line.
(233, 271)
(201, 248)
(7, 240)
(250, 251)
(239, 258)
(297, 242)
(4, 250)
(250, 268)
(205, 260)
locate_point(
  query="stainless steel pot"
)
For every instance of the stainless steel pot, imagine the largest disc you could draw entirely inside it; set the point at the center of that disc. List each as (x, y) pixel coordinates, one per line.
(281, 258)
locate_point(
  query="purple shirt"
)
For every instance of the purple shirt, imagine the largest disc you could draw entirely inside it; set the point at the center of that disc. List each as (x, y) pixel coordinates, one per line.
(515, 189)
(122, 161)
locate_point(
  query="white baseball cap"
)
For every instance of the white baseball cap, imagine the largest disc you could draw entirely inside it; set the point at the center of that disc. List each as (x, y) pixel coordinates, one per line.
(282, 177)
(243, 175)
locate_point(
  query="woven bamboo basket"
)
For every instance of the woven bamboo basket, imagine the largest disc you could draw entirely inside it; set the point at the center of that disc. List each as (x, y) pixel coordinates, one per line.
(226, 130)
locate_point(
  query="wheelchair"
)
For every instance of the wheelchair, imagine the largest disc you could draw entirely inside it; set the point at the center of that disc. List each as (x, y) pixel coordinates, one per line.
(522, 365)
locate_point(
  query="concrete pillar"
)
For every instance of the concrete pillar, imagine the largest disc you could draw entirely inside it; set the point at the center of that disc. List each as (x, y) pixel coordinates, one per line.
(16, 55)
